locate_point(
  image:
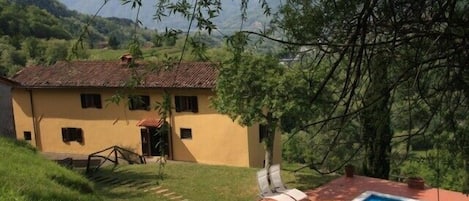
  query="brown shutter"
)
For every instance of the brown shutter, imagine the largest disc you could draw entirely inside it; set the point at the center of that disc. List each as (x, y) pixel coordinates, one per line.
(97, 101)
(146, 102)
(83, 101)
(65, 135)
(131, 103)
(177, 102)
(78, 135)
(194, 104)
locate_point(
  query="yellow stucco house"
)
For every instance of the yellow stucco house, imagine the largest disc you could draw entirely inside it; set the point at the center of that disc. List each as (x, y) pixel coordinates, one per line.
(65, 108)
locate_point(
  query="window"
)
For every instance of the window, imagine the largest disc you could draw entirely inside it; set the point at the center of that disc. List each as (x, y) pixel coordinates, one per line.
(262, 132)
(27, 135)
(72, 134)
(186, 103)
(139, 102)
(90, 101)
(186, 133)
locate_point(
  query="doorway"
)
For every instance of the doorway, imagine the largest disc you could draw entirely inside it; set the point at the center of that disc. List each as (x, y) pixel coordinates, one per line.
(154, 140)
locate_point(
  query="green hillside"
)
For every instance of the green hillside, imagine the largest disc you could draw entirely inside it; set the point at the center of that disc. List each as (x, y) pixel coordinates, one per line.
(51, 19)
(26, 175)
(41, 32)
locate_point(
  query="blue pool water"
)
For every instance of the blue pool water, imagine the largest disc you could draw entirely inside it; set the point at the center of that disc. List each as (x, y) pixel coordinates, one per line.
(376, 196)
(379, 198)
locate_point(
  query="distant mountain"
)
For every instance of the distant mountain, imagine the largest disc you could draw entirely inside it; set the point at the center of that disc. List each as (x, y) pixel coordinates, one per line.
(229, 19)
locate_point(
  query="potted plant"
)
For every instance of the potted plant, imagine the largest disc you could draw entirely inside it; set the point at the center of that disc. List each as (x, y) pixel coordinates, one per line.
(415, 182)
(349, 170)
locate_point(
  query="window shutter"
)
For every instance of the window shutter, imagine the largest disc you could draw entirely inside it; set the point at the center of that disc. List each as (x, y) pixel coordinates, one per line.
(72, 133)
(83, 101)
(97, 101)
(146, 102)
(177, 102)
(131, 103)
(194, 104)
(65, 135)
(78, 135)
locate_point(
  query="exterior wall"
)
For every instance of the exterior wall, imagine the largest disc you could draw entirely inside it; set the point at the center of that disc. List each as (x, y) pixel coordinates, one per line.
(23, 115)
(257, 151)
(216, 139)
(6, 114)
(58, 108)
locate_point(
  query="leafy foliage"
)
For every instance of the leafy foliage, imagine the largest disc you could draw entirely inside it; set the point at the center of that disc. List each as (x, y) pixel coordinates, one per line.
(25, 21)
(438, 168)
(113, 42)
(253, 78)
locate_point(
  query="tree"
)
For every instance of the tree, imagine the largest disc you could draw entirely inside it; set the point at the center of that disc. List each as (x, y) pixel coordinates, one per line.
(378, 46)
(113, 42)
(12, 59)
(56, 50)
(170, 41)
(32, 47)
(157, 40)
(376, 121)
(245, 92)
(254, 89)
(199, 47)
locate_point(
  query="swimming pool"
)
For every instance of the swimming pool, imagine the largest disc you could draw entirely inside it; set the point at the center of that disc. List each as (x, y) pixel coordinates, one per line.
(375, 196)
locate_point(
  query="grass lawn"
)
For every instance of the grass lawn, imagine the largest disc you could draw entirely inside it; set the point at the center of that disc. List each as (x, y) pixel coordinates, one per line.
(26, 175)
(208, 182)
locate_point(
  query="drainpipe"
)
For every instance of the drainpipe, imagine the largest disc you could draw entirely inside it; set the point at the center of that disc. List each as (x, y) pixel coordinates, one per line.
(35, 128)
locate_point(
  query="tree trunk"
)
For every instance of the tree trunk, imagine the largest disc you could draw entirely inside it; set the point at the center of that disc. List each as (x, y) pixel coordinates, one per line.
(269, 141)
(377, 132)
(465, 145)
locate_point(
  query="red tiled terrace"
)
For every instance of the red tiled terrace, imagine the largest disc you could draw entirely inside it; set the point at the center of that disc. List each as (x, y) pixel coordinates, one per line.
(346, 189)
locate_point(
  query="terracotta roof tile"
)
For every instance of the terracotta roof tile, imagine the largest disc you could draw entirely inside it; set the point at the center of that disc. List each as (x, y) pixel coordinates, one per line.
(117, 74)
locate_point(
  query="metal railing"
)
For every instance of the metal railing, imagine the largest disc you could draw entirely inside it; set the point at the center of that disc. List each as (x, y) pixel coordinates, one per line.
(114, 155)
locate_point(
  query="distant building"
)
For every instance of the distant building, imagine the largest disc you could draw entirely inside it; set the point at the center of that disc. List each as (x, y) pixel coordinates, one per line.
(7, 127)
(296, 57)
(64, 108)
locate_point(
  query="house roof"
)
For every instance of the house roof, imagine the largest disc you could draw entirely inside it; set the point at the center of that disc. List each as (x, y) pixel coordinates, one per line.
(117, 74)
(7, 81)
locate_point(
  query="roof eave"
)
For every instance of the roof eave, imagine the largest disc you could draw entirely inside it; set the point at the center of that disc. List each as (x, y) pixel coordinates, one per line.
(102, 87)
(8, 81)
